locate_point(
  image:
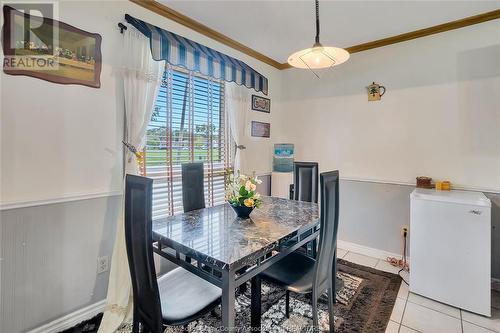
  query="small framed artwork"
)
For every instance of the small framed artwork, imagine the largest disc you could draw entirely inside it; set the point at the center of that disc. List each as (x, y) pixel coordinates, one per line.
(261, 130)
(50, 50)
(283, 157)
(261, 104)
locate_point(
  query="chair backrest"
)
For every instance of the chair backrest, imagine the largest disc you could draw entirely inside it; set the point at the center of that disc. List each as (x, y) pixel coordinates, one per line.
(193, 191)
(305, 178)
(329, 222)
(139, 243)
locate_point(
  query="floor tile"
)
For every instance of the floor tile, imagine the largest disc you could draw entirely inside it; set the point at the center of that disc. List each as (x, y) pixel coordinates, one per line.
(471, 328)
(492, 323)
(405, 329)
(429, 303)
(397, 311)
(427, 320)
(405, 275)
(403, 291)
(495, 299)
(392, 327)
(341, 253)
(361, 259)
(383, 265)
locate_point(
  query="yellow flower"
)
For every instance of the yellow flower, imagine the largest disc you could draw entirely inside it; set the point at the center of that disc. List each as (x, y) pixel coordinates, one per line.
(248, 202)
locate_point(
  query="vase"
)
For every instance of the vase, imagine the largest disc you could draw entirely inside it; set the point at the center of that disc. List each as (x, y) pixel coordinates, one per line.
(242, 211)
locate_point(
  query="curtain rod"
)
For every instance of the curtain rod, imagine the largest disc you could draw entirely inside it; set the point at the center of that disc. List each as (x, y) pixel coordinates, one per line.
(122, 27)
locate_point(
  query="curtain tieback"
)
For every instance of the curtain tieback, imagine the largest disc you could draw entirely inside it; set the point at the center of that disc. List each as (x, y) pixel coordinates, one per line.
(240, 147)
(130, 147)
(134, 151)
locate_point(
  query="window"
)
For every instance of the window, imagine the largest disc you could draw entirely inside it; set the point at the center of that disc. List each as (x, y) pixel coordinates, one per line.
(188, 124)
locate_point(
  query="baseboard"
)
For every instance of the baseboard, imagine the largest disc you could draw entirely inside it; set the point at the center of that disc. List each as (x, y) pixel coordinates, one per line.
(367, 251)
(381, 254)
(72, 319)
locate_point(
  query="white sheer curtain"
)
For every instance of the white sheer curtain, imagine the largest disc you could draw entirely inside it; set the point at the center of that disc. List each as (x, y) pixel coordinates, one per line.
(237, 104)
(141, 81)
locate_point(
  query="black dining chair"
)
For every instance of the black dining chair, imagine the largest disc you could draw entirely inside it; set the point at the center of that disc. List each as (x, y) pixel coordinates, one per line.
(193, 189)
(305, 182)
(302, 274)
(177, 297)
(305, 188)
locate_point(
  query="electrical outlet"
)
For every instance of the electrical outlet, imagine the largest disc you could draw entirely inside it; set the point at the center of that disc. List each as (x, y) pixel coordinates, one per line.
(405, 229)
(102, 264)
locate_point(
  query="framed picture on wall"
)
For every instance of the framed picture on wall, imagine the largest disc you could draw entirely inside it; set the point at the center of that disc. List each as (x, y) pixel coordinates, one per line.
(261, 104)
(283, 157)
(261, 130)
(50, 50)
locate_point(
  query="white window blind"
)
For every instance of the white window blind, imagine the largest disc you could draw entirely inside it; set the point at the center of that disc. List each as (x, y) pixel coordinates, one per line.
(188, 124)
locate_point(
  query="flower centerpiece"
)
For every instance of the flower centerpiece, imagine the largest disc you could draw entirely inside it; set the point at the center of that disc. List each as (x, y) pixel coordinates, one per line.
(241, 193)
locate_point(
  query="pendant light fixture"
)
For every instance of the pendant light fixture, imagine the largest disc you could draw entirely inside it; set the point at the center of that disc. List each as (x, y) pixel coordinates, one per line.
(318, 56)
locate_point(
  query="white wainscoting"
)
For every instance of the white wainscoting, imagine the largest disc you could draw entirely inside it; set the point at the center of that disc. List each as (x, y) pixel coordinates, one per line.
(49, 259)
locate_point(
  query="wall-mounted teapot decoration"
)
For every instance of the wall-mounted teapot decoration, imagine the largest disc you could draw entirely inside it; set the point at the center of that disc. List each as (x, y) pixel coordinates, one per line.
(375, 92)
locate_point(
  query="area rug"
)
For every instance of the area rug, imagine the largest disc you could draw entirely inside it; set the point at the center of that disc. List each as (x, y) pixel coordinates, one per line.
(364, 304)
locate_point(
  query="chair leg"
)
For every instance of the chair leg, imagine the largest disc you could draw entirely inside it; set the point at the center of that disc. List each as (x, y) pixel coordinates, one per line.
(314, 303)
(331, 300)
(135, 326)
(256, 304)
(135, 322)
(287, 304)
(243, 288)
(334, 282)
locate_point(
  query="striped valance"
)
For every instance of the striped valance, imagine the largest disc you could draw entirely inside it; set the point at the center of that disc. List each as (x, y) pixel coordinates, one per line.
(180, 51)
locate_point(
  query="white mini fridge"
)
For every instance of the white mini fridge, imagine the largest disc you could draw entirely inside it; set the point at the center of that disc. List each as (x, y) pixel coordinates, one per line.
(450, 248)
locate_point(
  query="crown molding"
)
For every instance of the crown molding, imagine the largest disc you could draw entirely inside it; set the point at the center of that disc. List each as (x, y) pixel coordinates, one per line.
(188, 22)
(471, 20)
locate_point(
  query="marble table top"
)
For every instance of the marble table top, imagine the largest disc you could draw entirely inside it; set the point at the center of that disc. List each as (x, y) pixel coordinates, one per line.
(217, 236)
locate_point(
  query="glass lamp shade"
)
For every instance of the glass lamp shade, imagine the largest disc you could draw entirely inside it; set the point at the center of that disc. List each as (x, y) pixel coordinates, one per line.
(318, 57)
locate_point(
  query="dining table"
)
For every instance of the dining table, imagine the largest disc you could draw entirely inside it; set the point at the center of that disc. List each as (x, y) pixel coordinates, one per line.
(229, 251)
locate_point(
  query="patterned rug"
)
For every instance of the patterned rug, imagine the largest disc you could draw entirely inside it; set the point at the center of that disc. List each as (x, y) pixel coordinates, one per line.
(364, 304)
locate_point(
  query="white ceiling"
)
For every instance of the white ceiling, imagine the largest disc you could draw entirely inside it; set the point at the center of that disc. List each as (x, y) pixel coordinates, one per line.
(278, 28)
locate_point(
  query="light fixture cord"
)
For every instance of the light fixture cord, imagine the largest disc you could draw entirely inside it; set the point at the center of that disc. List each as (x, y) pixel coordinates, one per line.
(317, 21)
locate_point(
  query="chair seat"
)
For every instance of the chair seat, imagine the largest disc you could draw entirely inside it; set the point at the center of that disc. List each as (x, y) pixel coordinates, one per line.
(185, 297)
(294, 272)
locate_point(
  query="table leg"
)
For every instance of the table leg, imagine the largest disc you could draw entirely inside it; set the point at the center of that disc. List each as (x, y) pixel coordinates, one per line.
(256, 306)
(314, 248)
(227, 304)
